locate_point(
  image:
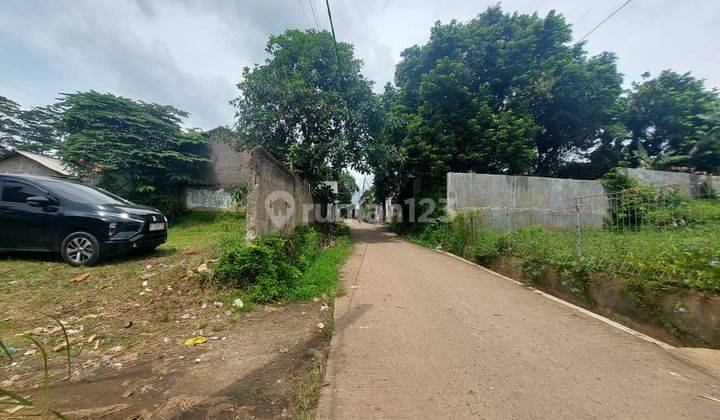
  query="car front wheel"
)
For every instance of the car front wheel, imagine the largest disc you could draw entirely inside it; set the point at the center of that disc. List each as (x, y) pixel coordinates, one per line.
(80, 248)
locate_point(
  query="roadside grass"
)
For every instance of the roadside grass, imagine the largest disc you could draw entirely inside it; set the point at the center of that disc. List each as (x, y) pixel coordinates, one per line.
(276, 269)
(323, 274)
(683, 259)
(306, 390)
(663, 258)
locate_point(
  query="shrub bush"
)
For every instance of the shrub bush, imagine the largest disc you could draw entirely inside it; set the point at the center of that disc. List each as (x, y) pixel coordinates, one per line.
(271, 268)
(262, 268)
(169, 204)
(303, 247)
(465, 235)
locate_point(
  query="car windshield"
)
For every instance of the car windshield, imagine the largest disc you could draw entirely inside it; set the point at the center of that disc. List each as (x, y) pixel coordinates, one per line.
(82, 193)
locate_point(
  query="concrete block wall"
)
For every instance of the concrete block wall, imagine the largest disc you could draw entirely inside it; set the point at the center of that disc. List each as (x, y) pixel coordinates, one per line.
(688, 183)
(229, 169)
(230, 166)
(512, 202)
(275, 190)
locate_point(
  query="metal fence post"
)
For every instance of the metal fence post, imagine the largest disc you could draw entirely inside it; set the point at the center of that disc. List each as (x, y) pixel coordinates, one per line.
(578, 251)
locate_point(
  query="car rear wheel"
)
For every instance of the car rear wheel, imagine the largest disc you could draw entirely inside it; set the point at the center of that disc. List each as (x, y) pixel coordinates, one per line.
(80, 248)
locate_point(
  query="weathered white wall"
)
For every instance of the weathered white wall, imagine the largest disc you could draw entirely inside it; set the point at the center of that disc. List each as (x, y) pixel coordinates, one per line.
(275, 190)
(208, 198)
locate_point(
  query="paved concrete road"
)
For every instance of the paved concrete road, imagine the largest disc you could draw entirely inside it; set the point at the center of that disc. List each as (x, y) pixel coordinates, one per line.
(421, 334)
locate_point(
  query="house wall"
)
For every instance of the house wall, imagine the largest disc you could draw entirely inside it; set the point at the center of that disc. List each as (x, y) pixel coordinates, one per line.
(21, 165)
(278, 199)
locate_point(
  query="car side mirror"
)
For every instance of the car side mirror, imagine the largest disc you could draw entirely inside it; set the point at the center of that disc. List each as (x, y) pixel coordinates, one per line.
(38, 201)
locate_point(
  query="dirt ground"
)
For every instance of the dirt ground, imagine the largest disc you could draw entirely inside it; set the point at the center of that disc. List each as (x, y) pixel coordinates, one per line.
(128, 321)
(248, 370)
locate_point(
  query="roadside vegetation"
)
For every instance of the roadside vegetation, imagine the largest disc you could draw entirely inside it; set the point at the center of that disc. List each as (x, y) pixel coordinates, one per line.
(272, 268)
(686, 258)
(662, 239)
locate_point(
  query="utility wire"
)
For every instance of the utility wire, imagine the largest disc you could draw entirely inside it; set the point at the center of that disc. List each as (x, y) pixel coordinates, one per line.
(604, 20)
(303, 12)
(314, 13)
(340, 69)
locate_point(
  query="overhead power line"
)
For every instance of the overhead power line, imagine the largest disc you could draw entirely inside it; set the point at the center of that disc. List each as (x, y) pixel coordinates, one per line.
(343, 87)
(604, 20)
(314, 13)
(303, 12)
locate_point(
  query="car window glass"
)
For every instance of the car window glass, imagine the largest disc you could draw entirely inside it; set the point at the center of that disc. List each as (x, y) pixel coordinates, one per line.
(82, 193)
(17, 192)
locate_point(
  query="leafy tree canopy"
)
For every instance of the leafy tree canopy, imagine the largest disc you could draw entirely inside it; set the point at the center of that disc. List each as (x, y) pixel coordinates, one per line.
(502, 93)
(34, 130)
(669, 116)
(10, 124)
(346, 187)
(293, 104)
(138, 149)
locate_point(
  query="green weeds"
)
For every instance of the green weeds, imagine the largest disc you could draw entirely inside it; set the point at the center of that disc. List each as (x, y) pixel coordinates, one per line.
(306, 392)
(685, 258)
(13, 400)
(296, 268)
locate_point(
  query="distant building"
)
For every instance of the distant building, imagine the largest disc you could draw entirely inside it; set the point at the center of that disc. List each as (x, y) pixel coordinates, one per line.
(21, 162)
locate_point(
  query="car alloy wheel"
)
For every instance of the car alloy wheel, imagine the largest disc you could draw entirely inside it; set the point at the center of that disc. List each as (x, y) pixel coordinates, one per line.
(80, 250)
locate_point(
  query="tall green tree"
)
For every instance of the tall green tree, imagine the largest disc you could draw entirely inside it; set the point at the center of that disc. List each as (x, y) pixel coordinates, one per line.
(502, 93)
(384, 153)
(294, 104)
(347, 186)
(666, 114)
(705, 154)
(137, 149)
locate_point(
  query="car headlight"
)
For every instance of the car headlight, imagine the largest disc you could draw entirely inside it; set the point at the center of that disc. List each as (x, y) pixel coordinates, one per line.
(124, 229)
(112, 228)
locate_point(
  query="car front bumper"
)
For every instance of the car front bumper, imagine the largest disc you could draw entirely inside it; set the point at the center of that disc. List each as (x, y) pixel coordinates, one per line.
(138, 242)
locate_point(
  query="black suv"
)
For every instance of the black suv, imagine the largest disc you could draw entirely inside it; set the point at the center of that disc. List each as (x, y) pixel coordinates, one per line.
(83, 223)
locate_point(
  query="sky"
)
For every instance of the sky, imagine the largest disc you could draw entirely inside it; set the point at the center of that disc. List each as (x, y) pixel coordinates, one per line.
(190, 53)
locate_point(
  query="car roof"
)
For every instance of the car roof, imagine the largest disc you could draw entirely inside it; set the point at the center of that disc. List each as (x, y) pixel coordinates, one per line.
(35, 177)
